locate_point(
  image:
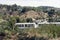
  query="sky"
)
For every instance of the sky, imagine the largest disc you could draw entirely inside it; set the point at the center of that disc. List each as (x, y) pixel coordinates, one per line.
(35, 3)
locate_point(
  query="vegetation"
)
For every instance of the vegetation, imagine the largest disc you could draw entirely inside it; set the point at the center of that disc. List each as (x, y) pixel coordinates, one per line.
(11, 14)
(46, 31)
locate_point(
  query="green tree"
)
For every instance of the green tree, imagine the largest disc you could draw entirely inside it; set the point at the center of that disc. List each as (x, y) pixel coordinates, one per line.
(29, 20)
(50, 14)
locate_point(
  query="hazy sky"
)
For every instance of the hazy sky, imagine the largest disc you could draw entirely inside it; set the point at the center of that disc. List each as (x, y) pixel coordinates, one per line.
(54, 3)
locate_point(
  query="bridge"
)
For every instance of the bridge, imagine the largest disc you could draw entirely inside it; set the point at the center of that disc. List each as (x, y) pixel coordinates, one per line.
(33, 25)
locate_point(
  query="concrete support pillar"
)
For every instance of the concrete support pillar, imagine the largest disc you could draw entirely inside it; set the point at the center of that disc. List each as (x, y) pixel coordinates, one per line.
(36, 25)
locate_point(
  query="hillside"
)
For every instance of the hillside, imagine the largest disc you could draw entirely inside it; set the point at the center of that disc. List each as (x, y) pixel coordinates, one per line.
(11, 14)
(28, 12)
(34, 15)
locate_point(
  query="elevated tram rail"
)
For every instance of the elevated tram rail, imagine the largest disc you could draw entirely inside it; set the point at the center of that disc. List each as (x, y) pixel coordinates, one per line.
(34, 25)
